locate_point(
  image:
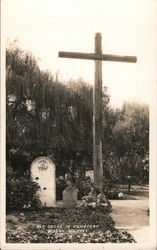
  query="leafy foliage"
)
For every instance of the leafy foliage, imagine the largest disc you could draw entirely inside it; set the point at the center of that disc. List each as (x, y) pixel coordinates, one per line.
(131, 137)
(126, 144)
(45, 116)
(21, 194)
(58, 225)
(60, 186)
(84, 186)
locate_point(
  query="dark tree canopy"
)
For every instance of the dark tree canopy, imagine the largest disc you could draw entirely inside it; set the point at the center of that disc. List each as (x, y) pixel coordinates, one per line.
(48, 117)
(45, 116)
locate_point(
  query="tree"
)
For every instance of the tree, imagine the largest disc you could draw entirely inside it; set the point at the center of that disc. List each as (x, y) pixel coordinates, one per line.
(45, 116)
(131, 138)
(48, 117)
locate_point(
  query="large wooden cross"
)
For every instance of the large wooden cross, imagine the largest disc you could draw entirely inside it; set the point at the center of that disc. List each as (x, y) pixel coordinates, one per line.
(98, 57)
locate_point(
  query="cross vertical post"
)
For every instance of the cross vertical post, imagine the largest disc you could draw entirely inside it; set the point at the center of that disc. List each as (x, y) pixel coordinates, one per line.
(98, 57)
(97, 118)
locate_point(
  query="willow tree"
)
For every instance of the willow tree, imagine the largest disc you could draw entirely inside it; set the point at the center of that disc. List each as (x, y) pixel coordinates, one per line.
(45, 116)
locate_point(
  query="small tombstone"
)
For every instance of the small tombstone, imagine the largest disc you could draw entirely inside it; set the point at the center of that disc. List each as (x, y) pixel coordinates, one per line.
(70, 197)
(43, 172)
(90, 173)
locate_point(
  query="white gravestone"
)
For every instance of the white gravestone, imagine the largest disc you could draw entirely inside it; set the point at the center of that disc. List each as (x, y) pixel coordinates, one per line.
(90, 173)
(43, 172)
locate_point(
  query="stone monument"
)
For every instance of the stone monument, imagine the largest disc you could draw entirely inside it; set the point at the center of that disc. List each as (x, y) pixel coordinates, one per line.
(43, 172)
(90, 173)
(70, 197)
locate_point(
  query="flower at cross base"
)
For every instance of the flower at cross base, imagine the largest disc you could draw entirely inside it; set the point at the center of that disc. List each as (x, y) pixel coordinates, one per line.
(120, 195)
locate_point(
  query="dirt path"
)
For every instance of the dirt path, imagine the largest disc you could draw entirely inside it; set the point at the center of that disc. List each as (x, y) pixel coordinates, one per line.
(131, 215)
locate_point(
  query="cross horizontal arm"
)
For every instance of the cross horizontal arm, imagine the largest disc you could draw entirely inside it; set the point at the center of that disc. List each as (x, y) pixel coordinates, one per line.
(101, 57)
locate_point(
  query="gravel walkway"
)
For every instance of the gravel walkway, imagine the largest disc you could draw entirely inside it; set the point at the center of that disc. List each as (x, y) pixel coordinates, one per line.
(132, 216)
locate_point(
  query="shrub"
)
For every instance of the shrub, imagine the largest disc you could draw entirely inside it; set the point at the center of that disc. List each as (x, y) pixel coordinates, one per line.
(85, 225)
(21, 193)
(60, 186)
(111, 190)
(84, 187)
(112, 194)
(12, 219)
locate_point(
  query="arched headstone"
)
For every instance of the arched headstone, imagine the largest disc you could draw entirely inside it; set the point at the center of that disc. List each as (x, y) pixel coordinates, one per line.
(43, 172)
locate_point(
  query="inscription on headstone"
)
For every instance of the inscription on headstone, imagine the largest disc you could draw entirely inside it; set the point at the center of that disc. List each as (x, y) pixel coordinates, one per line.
(43, 172)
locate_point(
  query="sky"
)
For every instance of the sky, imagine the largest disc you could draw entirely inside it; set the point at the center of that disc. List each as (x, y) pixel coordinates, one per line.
(128, 27)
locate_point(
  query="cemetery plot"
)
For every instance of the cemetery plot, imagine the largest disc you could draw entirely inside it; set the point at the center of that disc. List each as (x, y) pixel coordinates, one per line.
(60, 225)
(89, 224)
(81, 213)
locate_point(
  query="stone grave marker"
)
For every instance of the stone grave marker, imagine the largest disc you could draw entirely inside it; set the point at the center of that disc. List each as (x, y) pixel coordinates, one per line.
(90, 173)
(43, 172)
(70, 197)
